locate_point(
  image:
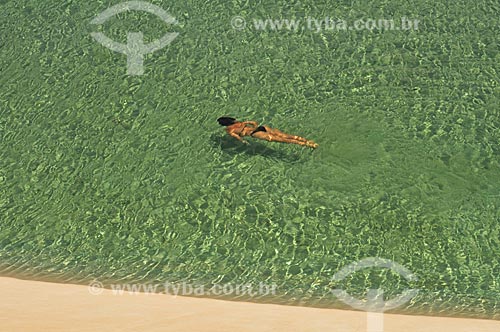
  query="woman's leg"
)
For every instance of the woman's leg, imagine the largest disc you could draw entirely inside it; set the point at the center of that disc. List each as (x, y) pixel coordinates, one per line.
(278, 132)
(273, 137)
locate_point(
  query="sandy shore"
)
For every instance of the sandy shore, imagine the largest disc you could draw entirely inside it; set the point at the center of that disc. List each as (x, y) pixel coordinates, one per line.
(39, 306)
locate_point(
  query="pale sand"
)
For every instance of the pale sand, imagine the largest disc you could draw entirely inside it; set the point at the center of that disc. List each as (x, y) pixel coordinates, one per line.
(27, 306)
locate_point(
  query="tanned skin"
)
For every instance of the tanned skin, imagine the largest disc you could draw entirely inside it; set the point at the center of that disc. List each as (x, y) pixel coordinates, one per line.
(239, 129)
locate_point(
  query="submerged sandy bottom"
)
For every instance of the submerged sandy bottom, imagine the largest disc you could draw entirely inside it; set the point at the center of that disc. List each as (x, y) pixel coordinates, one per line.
(39, 306)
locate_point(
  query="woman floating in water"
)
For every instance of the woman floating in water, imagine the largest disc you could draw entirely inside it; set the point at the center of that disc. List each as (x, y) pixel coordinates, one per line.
(238, 129)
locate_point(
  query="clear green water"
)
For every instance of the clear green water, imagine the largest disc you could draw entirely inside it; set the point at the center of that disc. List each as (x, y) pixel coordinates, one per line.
(130, 179)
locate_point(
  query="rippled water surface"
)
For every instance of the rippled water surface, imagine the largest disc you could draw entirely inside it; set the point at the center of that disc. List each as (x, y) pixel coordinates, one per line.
(130, 179)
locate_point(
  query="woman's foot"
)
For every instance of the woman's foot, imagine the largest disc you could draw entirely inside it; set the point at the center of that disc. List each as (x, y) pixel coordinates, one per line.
(311, 144)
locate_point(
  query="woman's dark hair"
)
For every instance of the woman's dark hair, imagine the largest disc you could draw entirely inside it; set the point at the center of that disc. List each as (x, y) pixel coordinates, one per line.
(226, 121)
